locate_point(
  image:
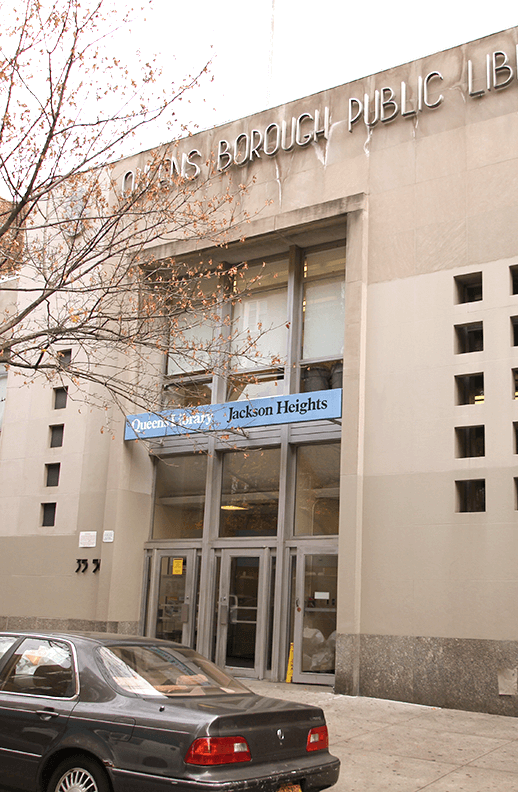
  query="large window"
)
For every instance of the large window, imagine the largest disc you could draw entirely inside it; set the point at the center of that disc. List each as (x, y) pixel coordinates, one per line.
(324, 304)
(317, 490)
(250, 493)
(180, 497)
(193, 341)
(277, 315)
(260, 316)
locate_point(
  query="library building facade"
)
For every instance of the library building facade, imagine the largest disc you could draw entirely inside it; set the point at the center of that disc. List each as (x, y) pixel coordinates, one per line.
(344, 502)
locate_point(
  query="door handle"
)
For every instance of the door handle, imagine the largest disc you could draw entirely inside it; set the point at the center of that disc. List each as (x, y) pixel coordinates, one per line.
(47, 714)
(223, 614)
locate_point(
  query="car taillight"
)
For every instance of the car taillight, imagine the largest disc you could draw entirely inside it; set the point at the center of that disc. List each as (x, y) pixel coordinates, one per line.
(218, 750)
(317, 739)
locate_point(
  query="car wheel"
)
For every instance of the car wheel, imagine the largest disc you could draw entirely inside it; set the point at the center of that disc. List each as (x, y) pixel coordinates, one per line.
(79, 774)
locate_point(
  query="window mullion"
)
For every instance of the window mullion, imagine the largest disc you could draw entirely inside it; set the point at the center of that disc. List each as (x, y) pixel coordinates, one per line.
(295, 291)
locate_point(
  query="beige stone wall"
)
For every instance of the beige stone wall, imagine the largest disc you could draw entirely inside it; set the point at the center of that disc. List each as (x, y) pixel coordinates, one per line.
(104, 485)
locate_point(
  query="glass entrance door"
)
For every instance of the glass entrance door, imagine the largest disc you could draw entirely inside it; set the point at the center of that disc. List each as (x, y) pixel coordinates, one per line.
(243, 612)
(314, 611)
(173, 596)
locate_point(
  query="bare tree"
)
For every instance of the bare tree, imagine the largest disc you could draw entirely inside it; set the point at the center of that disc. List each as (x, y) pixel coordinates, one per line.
(76, 264)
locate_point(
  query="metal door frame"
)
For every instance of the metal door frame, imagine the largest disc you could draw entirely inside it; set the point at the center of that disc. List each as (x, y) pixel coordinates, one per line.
(191, 555)
(223, 610)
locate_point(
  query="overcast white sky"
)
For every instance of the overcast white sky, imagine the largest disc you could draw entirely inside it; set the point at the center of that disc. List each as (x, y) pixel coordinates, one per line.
(316, 45)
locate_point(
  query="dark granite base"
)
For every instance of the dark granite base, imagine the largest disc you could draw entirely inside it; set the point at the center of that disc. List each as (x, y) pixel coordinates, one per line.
(67, 625)
(475, 675)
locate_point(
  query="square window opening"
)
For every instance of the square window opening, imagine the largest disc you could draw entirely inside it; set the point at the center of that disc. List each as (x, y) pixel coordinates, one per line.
(515, 383)
(469, 287)
(48, 514)
(469, 338)
(56, 435)
(470, 441)
(514, 278)
(514, 330)
(60, 398)
(471, 495)
(52, 474)
(470, 389)
(515, 431)
(516, 493)
(64, 357)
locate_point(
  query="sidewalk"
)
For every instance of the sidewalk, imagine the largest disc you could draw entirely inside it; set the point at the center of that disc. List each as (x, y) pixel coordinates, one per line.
(391, 746)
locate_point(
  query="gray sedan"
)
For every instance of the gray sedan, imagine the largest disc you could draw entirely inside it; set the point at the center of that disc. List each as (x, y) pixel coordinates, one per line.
(112, 713)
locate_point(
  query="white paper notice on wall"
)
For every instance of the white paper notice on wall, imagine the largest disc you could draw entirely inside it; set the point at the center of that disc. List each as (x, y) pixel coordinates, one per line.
(322, 595)
(507, 682)
(87, 538)
(108, 536)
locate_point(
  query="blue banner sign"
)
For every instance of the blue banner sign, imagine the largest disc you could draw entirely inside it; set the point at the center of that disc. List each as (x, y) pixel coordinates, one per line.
(298, 407)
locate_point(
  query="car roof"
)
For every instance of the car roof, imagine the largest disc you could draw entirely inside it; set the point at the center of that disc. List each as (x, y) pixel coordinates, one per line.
(104, 639)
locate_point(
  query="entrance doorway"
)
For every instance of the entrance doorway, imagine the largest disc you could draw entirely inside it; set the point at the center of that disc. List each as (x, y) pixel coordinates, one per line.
(174, 595)
(314, 590)
(241, 604)
(244, 611)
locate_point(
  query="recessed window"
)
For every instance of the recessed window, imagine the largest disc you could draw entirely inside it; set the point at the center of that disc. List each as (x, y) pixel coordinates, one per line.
(48, 513)
(64, 357)
(470, 441)
(469, 338)
(514, 330)
(515, 429)
(514, 279)
(469, 287)
(470, 389)
(60, 398)
(515, 383)
(516, 493)
(52, 474)
(471, 495)
(56, 435)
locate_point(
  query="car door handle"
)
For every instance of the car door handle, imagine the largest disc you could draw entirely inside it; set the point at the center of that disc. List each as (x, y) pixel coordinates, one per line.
(47, 714)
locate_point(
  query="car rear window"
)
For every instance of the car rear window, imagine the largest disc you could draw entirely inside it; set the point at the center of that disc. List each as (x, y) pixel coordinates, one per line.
(160, 671)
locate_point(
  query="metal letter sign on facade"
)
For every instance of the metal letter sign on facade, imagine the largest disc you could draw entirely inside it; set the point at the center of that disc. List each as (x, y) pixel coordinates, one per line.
(298, 407)
(385, 104)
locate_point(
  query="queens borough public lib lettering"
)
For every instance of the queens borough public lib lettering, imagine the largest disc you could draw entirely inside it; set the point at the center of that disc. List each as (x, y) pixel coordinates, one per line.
(489, 74)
